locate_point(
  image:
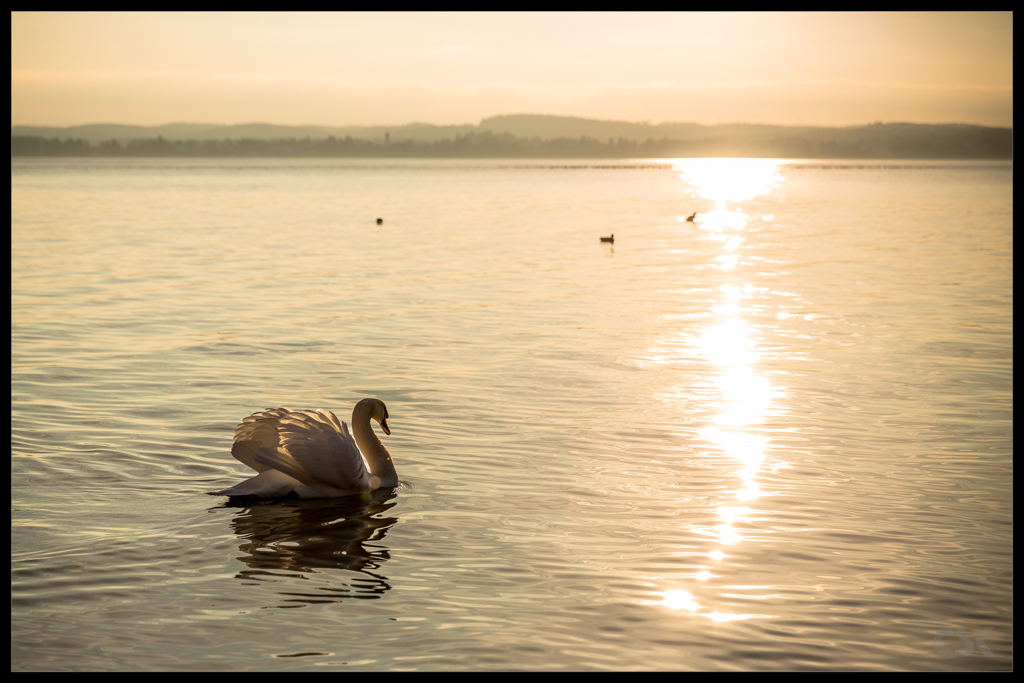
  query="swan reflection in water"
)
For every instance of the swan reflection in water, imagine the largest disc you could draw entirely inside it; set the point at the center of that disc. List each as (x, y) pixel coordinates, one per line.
(288, 540)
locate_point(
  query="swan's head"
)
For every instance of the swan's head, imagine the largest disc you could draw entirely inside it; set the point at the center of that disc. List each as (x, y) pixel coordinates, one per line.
(378, 411)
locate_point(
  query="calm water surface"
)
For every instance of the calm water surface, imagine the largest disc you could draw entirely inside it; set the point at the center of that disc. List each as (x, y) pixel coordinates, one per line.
(776, 437)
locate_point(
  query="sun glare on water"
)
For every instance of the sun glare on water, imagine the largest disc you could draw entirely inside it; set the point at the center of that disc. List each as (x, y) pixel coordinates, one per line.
(733, 180)
(729, 347)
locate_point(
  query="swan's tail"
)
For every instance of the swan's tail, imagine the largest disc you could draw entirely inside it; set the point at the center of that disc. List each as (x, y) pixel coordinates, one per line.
(269, 484)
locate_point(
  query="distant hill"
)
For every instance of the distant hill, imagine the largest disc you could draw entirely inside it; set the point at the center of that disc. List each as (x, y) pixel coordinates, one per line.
(520, 135)
(551, 127)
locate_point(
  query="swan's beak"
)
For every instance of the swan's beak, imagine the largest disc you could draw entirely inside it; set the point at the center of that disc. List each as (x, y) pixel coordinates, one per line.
(384, 426)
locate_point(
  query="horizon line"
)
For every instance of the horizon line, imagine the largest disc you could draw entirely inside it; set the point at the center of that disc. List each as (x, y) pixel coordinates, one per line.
(454, 125)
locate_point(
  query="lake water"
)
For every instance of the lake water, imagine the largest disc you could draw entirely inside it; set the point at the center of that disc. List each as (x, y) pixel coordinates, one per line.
(776, 437)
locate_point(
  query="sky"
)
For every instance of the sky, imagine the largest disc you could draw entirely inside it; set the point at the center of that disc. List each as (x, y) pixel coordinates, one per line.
(339, 69)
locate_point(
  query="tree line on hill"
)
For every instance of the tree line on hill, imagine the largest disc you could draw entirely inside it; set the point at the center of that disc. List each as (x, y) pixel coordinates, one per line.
(883, 141)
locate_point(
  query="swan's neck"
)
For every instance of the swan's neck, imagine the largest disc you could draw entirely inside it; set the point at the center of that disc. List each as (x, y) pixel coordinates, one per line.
(377, 457)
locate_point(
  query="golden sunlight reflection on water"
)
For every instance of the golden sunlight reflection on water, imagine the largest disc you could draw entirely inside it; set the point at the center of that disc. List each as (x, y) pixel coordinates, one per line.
(729, 346)
(733, 180)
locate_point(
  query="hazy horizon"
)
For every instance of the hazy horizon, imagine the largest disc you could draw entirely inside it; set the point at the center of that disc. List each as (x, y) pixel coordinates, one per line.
(446, 69)
(481, 120)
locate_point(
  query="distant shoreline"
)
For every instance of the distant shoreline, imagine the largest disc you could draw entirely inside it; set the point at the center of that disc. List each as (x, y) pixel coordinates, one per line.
(521, 136)
(968, 144)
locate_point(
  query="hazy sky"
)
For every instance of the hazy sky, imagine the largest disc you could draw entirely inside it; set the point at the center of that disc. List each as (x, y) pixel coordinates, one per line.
(390, 69)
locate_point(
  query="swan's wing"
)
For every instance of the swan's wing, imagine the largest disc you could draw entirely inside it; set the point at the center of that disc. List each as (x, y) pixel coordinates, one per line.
(321, 445)
(280, 461)
(257, 431)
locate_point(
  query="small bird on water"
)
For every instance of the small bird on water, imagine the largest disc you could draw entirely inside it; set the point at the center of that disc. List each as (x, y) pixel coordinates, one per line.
(689, 219)
(380, 221)
(609, 239)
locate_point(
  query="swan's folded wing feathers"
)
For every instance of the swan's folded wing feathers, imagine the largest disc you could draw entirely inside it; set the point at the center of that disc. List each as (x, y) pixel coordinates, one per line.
(283, 462)
(350, 462)
(323, 451)
(257, 431)
(330, 418)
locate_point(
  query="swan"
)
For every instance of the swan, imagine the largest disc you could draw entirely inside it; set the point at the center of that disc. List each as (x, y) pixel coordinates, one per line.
(312, 454)
(609, 239)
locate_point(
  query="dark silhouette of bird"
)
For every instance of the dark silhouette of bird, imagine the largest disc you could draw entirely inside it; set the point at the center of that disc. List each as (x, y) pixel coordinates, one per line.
(380, 221)
(610, 240)
(689, 219)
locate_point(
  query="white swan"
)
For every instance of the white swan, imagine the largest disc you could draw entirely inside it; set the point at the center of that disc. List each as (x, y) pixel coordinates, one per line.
(311, 453)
